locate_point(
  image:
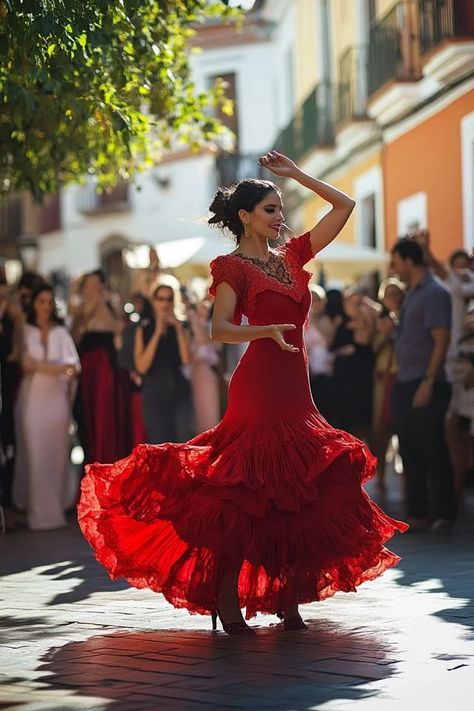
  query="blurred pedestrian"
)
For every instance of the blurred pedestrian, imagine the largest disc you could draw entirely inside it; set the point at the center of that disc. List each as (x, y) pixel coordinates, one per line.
(142, 312)
(422, 393)
(354, 365)
(460, 424)
(11, 333)
(28, 282)
(162, 349)
(205, 360)
(102, 405)
(390, 296)
(459, 279)
(50, 364)
(319, 335)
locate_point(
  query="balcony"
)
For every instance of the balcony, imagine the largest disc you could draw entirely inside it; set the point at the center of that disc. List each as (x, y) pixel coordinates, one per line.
(447, 38)
(394, 53)
(351, 98)
(92, 202)
(432, 39)
(445, 20)
(311, 127)
(232, 167)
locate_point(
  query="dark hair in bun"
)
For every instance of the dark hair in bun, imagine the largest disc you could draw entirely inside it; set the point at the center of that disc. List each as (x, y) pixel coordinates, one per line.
(244, 195)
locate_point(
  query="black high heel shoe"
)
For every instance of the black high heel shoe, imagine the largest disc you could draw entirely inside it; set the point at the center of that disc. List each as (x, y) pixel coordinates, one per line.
(238, 628)
(292, 624)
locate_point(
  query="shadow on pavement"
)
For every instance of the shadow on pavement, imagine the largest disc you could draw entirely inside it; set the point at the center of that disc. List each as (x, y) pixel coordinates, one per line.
(440, 564)
(64, 554)
(194, 670)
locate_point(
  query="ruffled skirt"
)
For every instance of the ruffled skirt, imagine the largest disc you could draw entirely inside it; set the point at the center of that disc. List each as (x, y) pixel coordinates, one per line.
(285, 504)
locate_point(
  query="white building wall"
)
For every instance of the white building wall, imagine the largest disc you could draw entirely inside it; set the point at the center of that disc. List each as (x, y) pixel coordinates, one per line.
(160, 214)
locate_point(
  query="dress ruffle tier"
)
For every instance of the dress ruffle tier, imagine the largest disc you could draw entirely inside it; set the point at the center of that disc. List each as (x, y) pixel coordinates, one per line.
(286, 499)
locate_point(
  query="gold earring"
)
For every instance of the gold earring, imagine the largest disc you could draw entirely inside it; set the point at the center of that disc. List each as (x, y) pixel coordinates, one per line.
(246, 234)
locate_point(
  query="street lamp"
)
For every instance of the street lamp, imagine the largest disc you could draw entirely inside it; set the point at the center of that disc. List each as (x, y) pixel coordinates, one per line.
(28, 248)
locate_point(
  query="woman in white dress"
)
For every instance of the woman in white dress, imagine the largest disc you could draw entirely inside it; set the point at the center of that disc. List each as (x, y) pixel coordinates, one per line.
(50, 364)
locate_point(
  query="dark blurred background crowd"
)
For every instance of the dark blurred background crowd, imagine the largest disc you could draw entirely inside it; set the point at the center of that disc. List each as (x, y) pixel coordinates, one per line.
(395, 368)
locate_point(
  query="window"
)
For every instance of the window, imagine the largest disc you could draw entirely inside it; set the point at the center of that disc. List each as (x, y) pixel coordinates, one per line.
(368, 236)
(467, 158)
(412, 213)
(369, 211)
(232, 121)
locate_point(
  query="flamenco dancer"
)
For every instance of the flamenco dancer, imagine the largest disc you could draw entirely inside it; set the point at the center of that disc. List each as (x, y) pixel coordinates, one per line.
(266, 510)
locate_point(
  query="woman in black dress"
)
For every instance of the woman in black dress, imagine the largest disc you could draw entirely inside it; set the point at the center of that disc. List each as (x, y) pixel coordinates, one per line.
(354, 365)
(161, 350)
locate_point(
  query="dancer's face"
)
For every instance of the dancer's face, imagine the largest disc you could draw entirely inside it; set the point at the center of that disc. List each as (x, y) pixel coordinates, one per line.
(266, 219)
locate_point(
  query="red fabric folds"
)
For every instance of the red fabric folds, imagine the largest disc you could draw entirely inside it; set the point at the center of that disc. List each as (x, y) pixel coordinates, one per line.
(273, 488)
(170, 517)
(103, 397)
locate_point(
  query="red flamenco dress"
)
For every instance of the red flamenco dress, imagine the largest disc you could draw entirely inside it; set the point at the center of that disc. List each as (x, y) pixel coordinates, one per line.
(273, 485)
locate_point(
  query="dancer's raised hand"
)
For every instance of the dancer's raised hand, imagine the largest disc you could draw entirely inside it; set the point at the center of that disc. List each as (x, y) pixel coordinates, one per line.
(278, 164)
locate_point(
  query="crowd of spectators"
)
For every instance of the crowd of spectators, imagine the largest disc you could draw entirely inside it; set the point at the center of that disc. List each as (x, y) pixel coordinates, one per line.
(394, 368)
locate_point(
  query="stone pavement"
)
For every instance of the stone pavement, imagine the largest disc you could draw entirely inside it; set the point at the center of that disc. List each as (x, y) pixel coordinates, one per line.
(71, 639)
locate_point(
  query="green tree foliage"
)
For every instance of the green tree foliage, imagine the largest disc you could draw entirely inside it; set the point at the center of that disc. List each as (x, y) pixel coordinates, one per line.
(98, 87)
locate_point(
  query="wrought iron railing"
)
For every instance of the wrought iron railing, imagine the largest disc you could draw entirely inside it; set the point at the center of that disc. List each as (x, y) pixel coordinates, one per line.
(352, 87)
(394, 46)
(312, 126)
(91, 201)
(442, 20)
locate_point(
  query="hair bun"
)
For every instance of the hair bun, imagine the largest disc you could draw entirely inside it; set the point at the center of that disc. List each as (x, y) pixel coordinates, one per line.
(220, 208)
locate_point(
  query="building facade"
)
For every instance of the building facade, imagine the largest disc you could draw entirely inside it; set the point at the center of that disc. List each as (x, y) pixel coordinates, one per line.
(168, 204)
(374, 96)
(386, 113)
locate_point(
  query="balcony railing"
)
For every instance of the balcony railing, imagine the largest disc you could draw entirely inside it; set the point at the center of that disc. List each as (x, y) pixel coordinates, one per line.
(351, 97)
(91, 201)
(232, 167)
(312, 126)
(442, 20)
(394, 52)
(11, 222)
(50, 214)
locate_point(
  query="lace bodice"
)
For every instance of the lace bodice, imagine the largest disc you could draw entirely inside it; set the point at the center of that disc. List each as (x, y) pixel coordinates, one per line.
(282, 272)
(274, 266)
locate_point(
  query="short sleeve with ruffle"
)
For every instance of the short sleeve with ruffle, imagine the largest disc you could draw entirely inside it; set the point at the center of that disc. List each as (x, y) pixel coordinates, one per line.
(224, 269)
(300, 247)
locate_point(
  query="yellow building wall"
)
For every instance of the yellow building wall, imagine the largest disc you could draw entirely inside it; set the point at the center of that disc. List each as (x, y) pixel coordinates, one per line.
(384, 6)
(347, 272)
(307, 72)
(343, 29)
(344, 180)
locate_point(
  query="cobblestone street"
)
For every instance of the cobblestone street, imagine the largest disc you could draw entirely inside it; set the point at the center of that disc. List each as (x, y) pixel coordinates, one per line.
(71, 639)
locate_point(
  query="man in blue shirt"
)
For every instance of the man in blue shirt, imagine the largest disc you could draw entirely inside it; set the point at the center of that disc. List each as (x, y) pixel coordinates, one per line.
(422, 393)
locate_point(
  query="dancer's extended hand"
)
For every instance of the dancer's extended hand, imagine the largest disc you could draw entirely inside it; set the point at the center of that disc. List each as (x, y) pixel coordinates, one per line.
(276, 333)
(278, 164)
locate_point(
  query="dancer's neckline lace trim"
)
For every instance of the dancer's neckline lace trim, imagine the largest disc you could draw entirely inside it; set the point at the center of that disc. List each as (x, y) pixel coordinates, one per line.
(273, 267)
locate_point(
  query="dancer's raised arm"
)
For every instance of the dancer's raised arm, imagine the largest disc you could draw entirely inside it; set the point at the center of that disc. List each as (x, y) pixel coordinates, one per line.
(331, 224)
